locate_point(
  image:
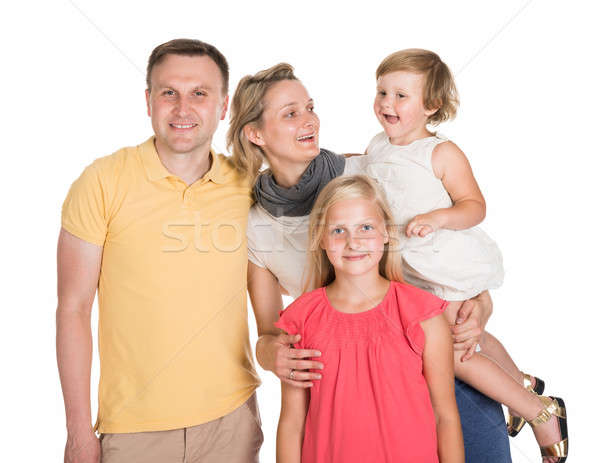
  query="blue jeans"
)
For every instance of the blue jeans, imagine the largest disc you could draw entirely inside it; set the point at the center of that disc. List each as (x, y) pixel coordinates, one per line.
(483, 426)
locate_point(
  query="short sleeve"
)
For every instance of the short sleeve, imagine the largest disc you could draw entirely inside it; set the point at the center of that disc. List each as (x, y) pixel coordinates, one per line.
(84, 210)
(415, 306)
(292, 319)
(253, 256)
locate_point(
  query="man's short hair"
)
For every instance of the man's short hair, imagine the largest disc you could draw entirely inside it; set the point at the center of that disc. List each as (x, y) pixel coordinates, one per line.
(188, 47)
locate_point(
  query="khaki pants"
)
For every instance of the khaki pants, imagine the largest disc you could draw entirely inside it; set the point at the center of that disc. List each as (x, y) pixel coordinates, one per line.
(233, 438)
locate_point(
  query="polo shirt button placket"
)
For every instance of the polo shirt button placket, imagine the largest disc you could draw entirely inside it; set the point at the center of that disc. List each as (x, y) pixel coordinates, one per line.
(187, 197)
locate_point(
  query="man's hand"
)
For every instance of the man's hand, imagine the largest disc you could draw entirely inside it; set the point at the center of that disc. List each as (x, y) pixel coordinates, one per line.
(470, 324)
(83, 448)
(275, 354)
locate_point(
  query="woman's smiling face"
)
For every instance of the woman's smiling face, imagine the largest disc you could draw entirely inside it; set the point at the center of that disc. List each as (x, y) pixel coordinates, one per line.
(289, 128)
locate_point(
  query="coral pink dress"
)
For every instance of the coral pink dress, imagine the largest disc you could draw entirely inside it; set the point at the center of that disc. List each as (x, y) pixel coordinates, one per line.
(372, 403)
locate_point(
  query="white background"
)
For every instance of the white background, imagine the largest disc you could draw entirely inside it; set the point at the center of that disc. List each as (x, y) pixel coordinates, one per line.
(527, 73)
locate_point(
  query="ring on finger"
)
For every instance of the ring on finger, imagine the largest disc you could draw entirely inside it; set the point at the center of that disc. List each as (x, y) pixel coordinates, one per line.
(291, 376)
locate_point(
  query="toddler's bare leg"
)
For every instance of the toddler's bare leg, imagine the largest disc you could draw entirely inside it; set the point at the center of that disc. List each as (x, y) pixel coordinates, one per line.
(451, 311)
(495, 374)
(489, 378)
(492, 348)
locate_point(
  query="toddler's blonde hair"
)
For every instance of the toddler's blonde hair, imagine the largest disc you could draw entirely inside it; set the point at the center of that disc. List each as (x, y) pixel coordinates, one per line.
(439, 90)
(247, 107)
(320, 270)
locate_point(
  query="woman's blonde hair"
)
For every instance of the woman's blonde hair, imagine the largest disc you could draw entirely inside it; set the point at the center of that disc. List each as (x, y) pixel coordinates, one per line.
(320, 270)
(439, 90)
(247, 107)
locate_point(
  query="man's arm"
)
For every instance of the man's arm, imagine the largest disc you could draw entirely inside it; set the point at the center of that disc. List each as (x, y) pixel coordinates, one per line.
(78, 272)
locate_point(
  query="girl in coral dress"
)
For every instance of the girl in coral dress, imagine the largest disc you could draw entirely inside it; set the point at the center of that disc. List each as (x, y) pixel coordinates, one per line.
(387, 388)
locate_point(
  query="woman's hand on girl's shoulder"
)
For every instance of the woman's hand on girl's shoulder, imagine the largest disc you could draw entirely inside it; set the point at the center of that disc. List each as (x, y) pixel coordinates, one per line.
(289, 365)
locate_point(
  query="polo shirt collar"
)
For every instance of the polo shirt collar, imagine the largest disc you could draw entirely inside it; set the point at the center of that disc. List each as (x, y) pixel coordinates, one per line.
(157, 171)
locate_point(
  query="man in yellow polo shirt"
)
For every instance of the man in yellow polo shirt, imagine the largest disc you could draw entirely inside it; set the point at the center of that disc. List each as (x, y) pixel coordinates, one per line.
(160, 230)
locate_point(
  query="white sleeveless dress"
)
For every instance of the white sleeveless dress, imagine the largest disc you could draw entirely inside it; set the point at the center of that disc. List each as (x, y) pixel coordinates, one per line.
(453, 264)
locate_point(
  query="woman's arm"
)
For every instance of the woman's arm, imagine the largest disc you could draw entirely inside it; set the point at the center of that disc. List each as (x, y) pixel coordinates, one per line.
(472, 317)
(273, 350)
(438, 368)
(290, 432)
(351, 155)
(452, 167)
(265, 297)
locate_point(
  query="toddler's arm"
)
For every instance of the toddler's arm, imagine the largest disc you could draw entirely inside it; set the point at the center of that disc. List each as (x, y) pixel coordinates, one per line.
(452, 167)
(438, 368)
(290, 432)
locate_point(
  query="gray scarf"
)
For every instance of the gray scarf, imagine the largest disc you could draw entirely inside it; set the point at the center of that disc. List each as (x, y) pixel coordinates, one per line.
(298, 200)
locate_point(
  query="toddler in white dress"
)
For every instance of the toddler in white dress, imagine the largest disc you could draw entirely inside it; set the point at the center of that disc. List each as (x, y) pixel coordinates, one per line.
(455, 265)
(437, 203)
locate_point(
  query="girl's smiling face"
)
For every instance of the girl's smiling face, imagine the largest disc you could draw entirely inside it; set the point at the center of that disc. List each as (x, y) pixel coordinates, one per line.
(399, 106)
(354, 236)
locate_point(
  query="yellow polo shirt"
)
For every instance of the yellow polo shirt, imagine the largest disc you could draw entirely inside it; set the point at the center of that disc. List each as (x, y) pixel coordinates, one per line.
(173, 330)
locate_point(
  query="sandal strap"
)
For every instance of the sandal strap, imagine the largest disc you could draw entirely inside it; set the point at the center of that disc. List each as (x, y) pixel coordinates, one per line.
(551, 407)
(559, 449)
(527, 382)
(515, 423)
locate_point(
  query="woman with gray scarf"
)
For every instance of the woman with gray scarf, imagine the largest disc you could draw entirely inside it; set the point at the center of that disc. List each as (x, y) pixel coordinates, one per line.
(273, 120)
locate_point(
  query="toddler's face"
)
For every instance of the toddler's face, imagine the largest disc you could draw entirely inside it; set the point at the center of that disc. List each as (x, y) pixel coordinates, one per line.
(399, 106)
(354, 236)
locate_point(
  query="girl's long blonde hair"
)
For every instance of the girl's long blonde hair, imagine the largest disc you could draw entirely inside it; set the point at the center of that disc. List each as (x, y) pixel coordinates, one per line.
(320, 270)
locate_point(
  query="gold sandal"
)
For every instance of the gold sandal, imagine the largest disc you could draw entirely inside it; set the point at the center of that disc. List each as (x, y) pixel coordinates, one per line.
(554, 406)
(515, 423)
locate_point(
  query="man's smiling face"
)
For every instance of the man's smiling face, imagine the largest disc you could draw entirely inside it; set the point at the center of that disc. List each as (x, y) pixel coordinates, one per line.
(185, 102)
